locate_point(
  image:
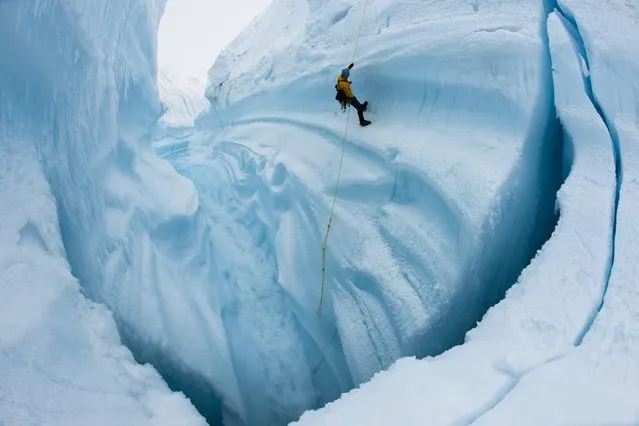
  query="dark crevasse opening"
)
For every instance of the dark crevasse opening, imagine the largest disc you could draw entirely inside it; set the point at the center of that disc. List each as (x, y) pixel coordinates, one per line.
(179, 377)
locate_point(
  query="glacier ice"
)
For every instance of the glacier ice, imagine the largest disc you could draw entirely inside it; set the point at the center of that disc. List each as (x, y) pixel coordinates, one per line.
(196, 227)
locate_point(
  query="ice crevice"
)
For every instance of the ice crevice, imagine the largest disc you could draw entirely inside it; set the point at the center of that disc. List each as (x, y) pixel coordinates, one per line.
(148, 246)
(573, 28)
(515, 377)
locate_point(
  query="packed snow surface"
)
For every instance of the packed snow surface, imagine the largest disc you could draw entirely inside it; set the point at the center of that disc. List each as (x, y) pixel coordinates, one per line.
(502, 153)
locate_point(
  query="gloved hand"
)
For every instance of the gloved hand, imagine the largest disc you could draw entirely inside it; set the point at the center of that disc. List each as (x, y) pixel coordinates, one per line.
(351, 66)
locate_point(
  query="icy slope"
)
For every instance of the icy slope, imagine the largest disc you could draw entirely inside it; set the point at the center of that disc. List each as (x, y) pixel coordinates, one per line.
(65, 83)
(556, 351)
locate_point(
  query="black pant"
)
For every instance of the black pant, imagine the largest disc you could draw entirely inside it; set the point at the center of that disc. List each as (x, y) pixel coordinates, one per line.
(359, 107)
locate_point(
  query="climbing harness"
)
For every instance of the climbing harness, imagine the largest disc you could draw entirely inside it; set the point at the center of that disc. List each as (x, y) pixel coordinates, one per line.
(339, 173)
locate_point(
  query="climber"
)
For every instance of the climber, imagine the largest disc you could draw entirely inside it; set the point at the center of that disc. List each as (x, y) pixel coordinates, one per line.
(345, 96)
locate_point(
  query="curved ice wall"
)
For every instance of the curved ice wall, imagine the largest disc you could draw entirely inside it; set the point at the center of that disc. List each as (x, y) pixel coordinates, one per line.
(78, 186)
(79, 85)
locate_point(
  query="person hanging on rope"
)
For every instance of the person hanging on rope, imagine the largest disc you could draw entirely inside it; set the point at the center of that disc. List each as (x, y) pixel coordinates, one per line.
(346, 97)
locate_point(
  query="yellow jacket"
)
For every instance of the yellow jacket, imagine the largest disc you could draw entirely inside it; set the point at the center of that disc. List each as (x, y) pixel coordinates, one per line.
(345, 86)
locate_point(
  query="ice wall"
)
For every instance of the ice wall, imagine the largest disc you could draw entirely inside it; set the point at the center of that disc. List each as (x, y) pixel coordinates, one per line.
(77, 96)
(79, 86)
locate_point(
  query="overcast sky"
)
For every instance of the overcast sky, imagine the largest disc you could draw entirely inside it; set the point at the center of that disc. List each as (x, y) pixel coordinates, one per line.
(193, 32)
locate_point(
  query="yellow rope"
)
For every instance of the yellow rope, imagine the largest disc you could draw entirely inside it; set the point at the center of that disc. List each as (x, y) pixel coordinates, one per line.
(339, 173)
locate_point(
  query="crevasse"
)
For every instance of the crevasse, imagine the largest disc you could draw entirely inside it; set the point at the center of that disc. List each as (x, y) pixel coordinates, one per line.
(201, 238)
(457, 171)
